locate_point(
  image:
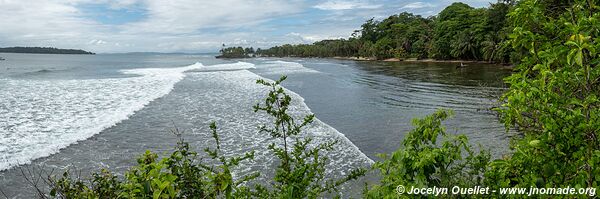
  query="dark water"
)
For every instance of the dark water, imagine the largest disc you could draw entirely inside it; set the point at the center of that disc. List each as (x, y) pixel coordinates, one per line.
(373, 103)
(90, 112)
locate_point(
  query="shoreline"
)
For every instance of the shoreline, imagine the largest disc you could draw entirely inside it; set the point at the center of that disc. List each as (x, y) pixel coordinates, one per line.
(409, 60)
(414, 60)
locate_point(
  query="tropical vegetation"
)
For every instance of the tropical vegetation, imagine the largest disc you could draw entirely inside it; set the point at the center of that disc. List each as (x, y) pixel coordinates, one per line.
(552, 101)
(43, 50)
(457, 32)
(236, 52)
(553, 96)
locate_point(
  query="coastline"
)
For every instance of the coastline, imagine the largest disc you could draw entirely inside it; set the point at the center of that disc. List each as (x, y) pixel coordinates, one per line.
(414, 60)
(409, 60)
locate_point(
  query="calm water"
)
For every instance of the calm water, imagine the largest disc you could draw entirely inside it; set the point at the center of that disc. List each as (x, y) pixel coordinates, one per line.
(90, 112)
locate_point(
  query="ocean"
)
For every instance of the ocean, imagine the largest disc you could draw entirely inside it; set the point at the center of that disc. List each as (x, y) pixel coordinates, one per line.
(86, 112)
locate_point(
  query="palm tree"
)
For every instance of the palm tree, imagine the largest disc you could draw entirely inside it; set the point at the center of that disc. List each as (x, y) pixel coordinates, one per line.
(463, 44)
(490, 48)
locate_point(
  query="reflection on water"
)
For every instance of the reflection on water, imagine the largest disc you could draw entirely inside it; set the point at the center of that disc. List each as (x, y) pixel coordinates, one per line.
(473, 74)
(426, 86)
(373, 103)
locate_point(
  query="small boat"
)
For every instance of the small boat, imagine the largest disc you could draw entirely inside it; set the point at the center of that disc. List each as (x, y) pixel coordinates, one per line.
(2, 59)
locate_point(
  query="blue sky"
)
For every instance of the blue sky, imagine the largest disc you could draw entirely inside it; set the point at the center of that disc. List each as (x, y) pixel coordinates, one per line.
(109, 26)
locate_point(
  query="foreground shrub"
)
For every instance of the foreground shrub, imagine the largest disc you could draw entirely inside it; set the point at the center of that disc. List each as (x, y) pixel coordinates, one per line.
(422, 162)
(553, 97)
(301, 173)
(181, 175)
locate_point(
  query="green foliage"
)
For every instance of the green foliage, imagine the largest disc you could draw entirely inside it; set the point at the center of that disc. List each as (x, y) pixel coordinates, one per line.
(458, 32)
(400, 33)
(553, 96)
(43, 50)
(301, 172)
(384, 48)
(325, 48)
(236, 52)
(423, 162)
(181, 175)
(367, 50)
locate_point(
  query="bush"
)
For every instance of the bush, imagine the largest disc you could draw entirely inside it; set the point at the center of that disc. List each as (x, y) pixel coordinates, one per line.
(553, 97)
(180, 175)
(423, 162)
(301, 173)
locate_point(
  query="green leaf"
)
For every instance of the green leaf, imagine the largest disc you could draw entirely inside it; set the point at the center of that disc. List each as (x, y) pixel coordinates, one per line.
(534, 143)
(579, 58)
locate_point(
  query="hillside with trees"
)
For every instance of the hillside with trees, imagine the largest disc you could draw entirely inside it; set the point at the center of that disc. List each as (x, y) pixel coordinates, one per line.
(459, 32)
(43, 50)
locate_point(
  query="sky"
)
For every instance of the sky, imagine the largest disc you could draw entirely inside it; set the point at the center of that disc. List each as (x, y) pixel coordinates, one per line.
(116, 26)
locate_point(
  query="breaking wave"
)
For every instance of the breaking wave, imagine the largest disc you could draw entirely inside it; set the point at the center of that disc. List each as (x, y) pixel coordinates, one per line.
(40, 117)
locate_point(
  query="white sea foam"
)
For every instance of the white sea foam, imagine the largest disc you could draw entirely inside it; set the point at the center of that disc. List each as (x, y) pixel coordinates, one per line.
(39, 117)
(232, 66)
(232, 94)
(283, 68)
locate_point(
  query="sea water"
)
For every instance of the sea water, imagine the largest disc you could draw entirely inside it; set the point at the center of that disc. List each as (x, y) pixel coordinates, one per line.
(88, 112)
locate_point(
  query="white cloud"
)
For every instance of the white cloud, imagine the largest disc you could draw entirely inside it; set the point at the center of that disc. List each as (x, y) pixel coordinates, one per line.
(97, 42)
(185, 16)
(418, 5)
(168, 25)
(120, 4)
(309, 38)
(345, 5)
(43, 23)
(189, 25)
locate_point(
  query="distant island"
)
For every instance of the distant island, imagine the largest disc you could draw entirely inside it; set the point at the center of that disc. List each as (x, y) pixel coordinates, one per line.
(43, 50)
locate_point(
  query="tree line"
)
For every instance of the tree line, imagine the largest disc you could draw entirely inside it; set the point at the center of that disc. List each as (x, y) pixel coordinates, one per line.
(43, 50)
(236, 52)
(458, 32)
